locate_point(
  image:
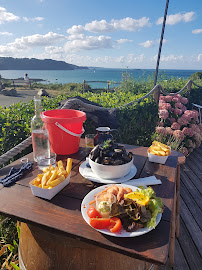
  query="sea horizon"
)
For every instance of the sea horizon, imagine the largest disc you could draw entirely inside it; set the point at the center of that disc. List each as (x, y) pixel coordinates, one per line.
(94, 74)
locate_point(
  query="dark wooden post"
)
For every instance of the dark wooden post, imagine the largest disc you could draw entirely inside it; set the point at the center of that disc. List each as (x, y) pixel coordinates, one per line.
(84, 85)
(156, 94)
(107, 86)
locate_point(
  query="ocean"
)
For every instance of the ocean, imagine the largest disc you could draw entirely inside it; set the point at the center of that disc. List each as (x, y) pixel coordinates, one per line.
(93, 74)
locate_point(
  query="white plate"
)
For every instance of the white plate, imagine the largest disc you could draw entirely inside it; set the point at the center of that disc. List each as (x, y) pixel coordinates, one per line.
(88, 174)
(90, 196)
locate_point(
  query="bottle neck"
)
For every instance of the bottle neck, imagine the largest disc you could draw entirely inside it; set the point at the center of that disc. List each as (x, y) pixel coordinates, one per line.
(37, 105)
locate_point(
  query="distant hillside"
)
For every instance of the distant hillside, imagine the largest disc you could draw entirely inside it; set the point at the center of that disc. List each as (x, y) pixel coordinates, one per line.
(9, 63)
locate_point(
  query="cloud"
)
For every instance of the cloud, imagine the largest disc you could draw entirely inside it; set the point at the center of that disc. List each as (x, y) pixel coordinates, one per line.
(38, 40)
(75, 30)
(197, 31)
(99, 27)
(5, 34)
(25, 43)
(126, 24)
(177, 18)
(170, 58)
(39, 19)
(130, 24)
(151, 43)
(147, 44)
(7, 16)
(199, 57)
(123, 40)
(89, 43)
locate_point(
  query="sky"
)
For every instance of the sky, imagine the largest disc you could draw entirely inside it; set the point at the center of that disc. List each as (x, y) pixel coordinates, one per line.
(103, 33)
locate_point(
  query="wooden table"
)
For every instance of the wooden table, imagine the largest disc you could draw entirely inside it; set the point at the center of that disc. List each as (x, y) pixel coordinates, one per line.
(51, 224)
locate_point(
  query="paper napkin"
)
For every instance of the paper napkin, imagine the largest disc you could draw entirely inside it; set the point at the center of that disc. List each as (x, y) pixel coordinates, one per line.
(146, 181)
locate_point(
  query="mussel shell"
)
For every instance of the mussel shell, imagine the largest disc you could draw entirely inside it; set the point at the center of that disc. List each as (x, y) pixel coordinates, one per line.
(117, 162)
(126, 158)
(98, 160)
(94, 153)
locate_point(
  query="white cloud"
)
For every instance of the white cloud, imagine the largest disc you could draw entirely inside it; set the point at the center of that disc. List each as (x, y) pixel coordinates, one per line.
(197, 31)
(199, 57)
(75, 30)
(127, 24)
(147, 44)
(39, 19)
(123, 40)
(130, 24)
(5, 34)
(38, 40)
(7, 16)
(99, 27)
(176, 18)
(170, 58)
(151, 43)
(89, 43)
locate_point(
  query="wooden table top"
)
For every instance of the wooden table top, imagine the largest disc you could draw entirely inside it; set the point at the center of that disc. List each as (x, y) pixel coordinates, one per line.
(63, 213)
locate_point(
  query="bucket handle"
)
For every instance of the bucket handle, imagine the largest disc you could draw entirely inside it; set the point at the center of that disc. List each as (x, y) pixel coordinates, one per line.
(70, 132)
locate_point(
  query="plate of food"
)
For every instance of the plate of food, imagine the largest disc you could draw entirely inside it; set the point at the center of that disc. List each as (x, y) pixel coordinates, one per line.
(122, 210)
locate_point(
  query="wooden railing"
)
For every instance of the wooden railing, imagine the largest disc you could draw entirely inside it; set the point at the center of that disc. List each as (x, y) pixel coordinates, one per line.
(85, 84)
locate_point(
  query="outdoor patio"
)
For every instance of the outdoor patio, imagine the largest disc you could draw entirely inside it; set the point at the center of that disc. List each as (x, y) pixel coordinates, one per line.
(188, 248)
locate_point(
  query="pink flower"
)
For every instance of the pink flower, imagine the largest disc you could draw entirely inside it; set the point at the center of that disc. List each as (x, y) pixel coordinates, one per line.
(160, 124)
(195, 128)
(200, 127)
(190, 143)
(188, 131)
(163, 114)
(175, 99)
(161, 130)
(179, 97)
(172, 120)
(168, 98)
(175, 125)
(184, 108)
(184, 151)
(178, 135)
(184, 100)
(182, 121)
(197, 137)
(177, 111)
(179, 105)
(165, 106)
(186, 117)
(162, 98)
(189, 113)
(169, 131)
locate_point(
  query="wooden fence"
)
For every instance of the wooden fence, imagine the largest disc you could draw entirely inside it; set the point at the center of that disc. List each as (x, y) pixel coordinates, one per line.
(86, 86)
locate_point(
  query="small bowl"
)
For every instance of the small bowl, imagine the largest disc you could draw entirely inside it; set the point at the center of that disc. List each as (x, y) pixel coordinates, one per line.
(110, 171)
(48, 193)
(157, 159)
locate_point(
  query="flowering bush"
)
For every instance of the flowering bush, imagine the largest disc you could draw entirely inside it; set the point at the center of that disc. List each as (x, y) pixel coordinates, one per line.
(178, 126)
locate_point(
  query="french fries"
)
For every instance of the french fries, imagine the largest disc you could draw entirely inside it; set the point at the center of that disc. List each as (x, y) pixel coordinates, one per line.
(159, 149)
(53, 176)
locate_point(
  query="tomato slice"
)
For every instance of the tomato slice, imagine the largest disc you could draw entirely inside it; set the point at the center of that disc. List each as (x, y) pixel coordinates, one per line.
(115, 225)
(93, 213)
(99, 223)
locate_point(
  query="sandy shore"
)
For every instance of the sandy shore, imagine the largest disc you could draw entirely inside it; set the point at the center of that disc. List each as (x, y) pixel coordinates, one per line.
(23, 96)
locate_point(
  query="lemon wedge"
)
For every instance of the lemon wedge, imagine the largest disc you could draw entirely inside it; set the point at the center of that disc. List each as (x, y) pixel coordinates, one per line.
(138, 197)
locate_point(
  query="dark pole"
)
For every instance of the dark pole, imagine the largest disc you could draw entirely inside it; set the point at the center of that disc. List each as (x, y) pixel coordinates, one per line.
(161, 41)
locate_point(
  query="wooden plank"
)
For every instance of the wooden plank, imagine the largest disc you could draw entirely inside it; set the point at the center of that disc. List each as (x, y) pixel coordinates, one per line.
(195, 162)
(195, 194)
(191, 226)
(180, 260)
(194, 166)
(63, 215)
(188, 247)
(192, 176)
(197, 153)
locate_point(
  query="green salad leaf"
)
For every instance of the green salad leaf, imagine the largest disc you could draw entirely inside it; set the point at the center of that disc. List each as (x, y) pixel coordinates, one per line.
(155, 205)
